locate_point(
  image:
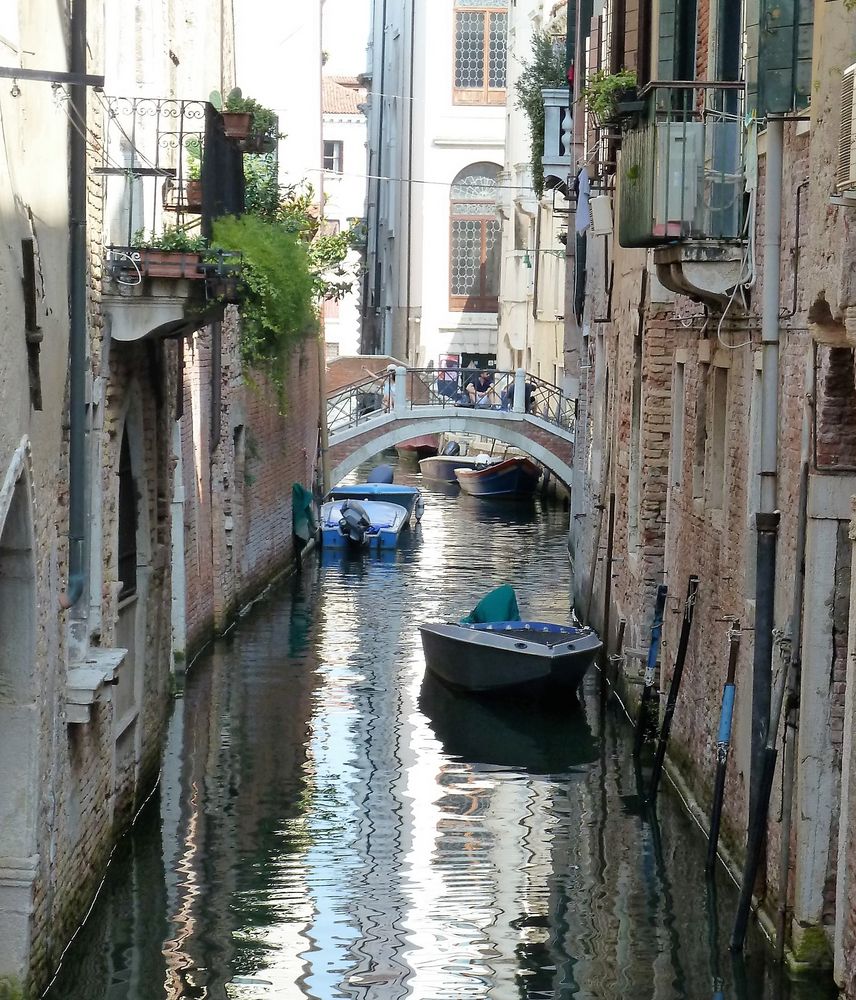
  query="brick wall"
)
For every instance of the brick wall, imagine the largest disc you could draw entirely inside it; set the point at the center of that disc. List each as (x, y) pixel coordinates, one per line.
(241, 453)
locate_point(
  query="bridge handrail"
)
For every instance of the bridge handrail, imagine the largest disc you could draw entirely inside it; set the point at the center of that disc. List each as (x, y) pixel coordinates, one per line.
(445, 387)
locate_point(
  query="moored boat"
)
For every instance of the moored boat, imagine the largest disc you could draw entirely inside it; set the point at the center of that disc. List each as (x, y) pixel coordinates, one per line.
(509, 477)
(417, 448)
(441, 468)
(493, 650)
(355, 524)
(501, 656)
(408, 497)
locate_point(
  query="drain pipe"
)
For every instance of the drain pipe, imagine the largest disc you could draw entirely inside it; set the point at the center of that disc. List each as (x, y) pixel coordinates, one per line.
(791, 709)
(408, 279)
(767, 518)
(77, 314)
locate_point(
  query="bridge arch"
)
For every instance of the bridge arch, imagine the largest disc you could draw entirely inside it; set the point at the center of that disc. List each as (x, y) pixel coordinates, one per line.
(539, 439)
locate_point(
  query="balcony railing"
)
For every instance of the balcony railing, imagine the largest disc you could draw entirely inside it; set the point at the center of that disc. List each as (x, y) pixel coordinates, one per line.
(166, 162)
(681, 172)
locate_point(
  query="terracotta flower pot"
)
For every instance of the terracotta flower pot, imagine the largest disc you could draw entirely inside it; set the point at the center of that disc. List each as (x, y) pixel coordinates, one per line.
(237, 124)
(170, 264)
(193, 195)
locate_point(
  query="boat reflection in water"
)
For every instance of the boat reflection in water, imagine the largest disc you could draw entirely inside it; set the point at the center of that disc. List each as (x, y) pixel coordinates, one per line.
(537, 736)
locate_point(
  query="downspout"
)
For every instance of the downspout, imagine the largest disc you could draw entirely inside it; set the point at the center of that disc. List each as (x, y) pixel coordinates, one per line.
(410, 185)
(767, 517)
(791, 708)
(77, 313)
(377, 338)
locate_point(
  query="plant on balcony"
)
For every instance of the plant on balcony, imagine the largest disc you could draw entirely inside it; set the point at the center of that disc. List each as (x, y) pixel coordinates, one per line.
(244, 119)
(277, 300)
(172, 253)
(605, 93)
(193, 173)
(545, 69)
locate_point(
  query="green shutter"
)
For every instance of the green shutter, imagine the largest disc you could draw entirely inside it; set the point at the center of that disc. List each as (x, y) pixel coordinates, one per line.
(779, 50)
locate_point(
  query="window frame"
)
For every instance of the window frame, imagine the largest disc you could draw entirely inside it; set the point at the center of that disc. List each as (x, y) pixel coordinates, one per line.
(483, 302)
(484, 95)
(337, 156)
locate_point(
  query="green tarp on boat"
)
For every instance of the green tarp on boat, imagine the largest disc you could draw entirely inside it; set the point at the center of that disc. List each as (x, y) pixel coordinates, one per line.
(500, 605)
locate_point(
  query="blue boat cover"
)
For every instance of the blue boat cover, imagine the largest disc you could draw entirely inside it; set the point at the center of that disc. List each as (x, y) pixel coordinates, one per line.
(380, 474)
(500, 605)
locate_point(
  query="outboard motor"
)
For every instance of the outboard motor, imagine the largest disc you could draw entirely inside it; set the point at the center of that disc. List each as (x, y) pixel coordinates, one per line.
(452, 448)
(354, 522)
(381, 474)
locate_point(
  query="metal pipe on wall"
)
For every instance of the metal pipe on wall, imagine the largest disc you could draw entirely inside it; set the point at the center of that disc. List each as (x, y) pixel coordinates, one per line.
(767, 518)
(77, 312)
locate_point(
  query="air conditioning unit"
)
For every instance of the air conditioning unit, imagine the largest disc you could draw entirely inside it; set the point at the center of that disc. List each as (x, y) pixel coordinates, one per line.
(845, 176)
(678, 165)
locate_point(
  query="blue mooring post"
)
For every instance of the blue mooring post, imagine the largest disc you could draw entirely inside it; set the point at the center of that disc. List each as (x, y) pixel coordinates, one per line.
(723, 743)
(650, 668)
(674, 687)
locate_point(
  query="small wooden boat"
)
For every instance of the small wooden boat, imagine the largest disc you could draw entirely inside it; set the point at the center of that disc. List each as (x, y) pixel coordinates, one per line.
(417, 448)
(441, 468)
(408, 497)
(352, 524)
(510, 477)
(503, 656)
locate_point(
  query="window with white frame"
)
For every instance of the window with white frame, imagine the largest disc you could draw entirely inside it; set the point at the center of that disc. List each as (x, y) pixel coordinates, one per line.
(334, 156)
(481, 43)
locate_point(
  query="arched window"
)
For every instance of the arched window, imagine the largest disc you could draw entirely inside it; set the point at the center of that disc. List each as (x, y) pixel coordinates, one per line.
(474, 240)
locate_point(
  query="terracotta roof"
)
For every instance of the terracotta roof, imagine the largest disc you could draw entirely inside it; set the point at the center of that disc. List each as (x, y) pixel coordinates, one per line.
(342, 95)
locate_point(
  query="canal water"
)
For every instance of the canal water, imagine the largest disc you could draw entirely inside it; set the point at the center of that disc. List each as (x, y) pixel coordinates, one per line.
(329, 824)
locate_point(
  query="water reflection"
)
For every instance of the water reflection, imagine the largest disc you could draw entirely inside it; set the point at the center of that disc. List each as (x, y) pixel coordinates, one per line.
(332, 824)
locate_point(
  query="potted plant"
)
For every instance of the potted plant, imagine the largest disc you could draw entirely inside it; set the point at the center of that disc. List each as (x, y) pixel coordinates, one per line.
(193, 173)
(252, 124)
(610, 96)
(172, 253)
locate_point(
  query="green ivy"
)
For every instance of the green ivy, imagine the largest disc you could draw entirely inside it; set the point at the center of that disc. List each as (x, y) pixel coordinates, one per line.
(545, 69)
(277, 304)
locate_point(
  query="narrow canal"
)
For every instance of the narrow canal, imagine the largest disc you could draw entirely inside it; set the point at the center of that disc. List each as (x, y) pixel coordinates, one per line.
(329, 825)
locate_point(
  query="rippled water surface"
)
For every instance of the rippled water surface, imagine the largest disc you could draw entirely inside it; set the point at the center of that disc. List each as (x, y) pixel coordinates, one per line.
(330, 825)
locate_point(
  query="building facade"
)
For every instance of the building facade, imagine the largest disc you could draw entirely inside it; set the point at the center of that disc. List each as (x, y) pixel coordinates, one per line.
(344, 190)
(437, 87)
(716, 412)
(534, 228)
(145, 489)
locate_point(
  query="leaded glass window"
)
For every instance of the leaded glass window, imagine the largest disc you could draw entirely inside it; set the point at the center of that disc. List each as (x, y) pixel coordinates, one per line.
(474, 240)
(481, 28)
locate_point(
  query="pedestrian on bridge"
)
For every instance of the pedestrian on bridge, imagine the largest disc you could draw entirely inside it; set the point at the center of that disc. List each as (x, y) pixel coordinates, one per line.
(480, 390)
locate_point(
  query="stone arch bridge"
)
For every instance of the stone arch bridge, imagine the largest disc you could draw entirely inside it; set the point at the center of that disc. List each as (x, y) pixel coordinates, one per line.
(382, 411)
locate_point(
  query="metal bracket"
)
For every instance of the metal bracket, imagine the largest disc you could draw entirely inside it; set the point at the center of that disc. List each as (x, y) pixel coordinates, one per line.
(52, 76)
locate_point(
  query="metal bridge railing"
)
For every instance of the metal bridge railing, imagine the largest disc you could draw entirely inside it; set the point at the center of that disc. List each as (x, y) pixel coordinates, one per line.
(446, 388)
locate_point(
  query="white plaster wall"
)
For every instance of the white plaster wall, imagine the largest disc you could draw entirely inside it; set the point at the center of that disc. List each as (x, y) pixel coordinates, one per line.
(450, 138)
(278, 62)
(345, 196)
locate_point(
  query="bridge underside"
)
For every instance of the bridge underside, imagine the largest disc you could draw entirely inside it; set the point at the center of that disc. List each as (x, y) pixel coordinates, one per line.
(549, 445)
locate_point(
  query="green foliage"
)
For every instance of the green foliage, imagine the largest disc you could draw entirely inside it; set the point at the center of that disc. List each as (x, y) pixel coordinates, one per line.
(277, 309)
(170, 238)
(602, 90)
(545, 69)
(292, 207)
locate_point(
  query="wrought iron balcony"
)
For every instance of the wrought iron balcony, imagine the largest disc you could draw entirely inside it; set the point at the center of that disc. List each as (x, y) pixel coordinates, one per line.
(681, 171)
(166, 161)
